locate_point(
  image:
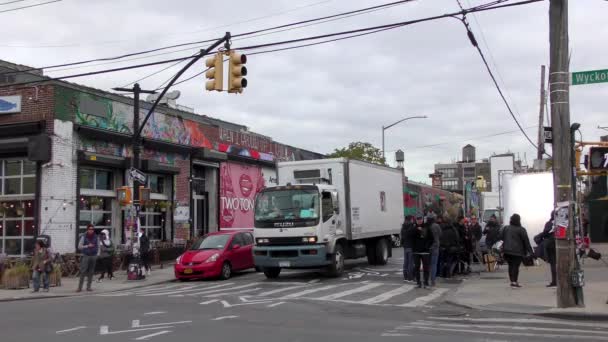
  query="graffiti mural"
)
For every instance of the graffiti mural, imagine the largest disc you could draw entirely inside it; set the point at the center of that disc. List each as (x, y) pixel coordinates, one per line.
(239, 183)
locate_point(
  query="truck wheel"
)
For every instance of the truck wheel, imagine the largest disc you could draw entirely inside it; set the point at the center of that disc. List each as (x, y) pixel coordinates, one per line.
(396, 240)
(381, 252)
(272, 272)
(371, 253)
(337, 262)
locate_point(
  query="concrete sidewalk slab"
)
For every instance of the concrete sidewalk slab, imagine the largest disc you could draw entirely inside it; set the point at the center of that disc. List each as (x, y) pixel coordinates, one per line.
(491, 292)
(69, 285)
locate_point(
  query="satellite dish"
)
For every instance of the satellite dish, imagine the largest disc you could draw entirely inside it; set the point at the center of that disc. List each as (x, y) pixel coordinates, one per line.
(151, 97)
(173, 95)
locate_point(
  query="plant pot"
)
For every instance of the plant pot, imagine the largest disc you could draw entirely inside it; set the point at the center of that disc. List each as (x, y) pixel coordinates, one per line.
(164, 210)
(55, 278)
(95, 207)
(15, 281)
(20, 212)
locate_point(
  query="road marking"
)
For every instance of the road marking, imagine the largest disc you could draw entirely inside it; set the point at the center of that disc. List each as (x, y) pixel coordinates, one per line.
(522, 320)
(245, 299)
(232, 293)
(136, 324)
(228, 305)
(152, 335)
(68, 330)
(303, 293)
(350, 292)
(314, 281)
(394, 335)
(489, 332)
(105, 330)
(209, 302)
(224, 317)
(420, 301)
(267, 293)
(508, 327)
(154, 313)
(387, 295)
(224, 289)
(275, 304)
(185, 289)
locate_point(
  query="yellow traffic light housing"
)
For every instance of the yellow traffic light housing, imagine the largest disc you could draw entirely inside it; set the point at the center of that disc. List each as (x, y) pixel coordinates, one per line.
(215, 74)
(236, 71)
(124, 195)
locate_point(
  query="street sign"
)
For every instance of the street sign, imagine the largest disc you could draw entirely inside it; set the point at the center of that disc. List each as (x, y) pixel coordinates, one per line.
(548, 135)
(138, 175)
(589, 77)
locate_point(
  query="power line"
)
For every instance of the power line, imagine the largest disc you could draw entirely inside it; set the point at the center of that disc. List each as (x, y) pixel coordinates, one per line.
(11, 2)
(30, 6)
(153, 74)
(374, 28)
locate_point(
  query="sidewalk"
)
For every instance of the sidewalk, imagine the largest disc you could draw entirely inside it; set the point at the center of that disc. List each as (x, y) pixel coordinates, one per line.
(491, 291)
(69, 285)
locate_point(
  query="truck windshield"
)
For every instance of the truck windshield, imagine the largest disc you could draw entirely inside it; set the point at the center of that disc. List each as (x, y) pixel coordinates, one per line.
(287, 205)
(489, 212)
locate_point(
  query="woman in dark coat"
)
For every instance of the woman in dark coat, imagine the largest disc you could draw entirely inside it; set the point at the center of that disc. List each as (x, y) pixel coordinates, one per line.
(516, 246)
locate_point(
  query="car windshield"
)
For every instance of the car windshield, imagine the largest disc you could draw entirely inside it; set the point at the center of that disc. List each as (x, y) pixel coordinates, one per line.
(287, 205)
(488, 213)
(211, 242)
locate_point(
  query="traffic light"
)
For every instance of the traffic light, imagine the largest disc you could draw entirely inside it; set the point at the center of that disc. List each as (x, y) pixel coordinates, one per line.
(598, 158)
(215, 74)
(236, 71)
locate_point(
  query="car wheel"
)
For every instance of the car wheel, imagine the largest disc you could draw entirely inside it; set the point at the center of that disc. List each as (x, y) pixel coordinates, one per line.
(337, 262)
(226, 271)
(272, 272)
(381, 252)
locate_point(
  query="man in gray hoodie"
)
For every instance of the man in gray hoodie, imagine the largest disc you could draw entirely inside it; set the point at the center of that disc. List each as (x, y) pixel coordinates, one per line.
(436, 230)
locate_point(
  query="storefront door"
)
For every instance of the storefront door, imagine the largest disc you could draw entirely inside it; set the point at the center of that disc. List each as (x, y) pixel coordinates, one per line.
(200, 215)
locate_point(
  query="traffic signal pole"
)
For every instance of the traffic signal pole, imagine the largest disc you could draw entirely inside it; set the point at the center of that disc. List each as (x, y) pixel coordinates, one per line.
(559, 86)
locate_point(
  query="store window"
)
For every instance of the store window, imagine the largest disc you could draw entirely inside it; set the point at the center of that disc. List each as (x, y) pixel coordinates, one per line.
(152, 220)
(447, 173)
(17, 227)
(449, 184)
(96, 211)
(156, 183)
(18, 177)
(96, 179)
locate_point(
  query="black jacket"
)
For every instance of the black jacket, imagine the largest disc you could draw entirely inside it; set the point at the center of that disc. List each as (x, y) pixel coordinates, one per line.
(515, 241)
(466, 237)
(423, 239)
(492, 232)
(407, 235)
(144, 244)
(476, 231)
(449, 238)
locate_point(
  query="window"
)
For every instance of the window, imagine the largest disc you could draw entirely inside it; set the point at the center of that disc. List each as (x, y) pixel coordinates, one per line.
(327, 206)
(237, 240)
(469, 172)
(156, 184)
(449, 184)
(247, 239)
(18, 177)
(96, 211)
(17, 227)
(96, 179)
(153, 221)
(447, 173)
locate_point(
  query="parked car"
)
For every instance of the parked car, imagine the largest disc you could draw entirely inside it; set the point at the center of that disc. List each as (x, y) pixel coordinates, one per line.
(217, 255)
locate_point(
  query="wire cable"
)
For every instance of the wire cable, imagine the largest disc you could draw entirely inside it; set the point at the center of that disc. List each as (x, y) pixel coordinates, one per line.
(11, 2)
(30, 6)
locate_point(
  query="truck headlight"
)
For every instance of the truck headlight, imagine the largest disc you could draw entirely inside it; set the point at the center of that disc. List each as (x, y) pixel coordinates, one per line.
(262, 241)
(309, 239)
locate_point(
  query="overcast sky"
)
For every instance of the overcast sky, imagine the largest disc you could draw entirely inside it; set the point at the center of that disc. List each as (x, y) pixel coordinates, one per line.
(326, 96)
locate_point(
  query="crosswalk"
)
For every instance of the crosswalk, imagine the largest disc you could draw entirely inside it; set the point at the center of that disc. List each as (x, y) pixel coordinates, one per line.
(361, 293)
(503, 329)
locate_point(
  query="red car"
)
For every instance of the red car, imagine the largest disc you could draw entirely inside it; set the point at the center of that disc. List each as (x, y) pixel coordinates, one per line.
(217, 255)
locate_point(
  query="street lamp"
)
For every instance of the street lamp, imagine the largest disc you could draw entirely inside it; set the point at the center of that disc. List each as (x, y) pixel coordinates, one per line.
(384, 128)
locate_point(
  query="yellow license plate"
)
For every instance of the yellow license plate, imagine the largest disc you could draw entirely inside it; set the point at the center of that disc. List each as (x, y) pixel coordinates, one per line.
(188, 271)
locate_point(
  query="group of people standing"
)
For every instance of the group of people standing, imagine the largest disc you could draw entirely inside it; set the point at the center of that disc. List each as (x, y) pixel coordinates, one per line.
(444, 248)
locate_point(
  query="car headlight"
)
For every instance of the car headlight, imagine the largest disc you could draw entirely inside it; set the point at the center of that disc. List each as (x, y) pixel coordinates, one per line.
(213, 258)
(309, 239)
(178, 260)
(262, 241)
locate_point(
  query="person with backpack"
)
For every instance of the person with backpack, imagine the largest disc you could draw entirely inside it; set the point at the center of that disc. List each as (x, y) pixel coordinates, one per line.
(41, 267)
(423, 240)
(88, 245)
(106, 255)
(516, 246)
(144, 250)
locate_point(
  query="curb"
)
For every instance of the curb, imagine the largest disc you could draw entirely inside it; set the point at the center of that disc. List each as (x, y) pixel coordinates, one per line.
(15, 299)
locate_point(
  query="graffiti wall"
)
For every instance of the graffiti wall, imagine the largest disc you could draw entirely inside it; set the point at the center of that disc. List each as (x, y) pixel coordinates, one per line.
(239, 183)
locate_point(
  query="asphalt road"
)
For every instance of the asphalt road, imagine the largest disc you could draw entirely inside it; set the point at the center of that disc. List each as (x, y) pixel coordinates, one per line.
(366, 304)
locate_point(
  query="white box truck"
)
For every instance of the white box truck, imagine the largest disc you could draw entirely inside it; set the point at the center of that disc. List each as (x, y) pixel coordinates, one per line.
(325, 211)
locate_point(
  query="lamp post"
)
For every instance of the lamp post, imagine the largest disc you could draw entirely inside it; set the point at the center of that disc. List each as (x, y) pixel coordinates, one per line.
(384, 128)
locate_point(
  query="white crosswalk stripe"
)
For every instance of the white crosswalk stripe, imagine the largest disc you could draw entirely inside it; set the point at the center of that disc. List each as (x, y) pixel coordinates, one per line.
(185, 289)
(206, 291)
(387, 295)
(309, 291)
(350, 292)
(420, 301)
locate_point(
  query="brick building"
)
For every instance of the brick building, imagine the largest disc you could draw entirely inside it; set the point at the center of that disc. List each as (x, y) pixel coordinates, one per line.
(66, 148)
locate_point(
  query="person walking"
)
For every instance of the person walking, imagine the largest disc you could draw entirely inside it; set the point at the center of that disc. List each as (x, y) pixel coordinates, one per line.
(88, 245)
(516, 246)
(423, 239)
(407, 241)
(106, 255)
(436, 232)
(41, 267)
(144, 250)
(492, 232)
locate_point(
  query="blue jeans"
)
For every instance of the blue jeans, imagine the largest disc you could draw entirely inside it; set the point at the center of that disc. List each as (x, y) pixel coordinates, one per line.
(434, 262)
(408, 264)
(36, 280)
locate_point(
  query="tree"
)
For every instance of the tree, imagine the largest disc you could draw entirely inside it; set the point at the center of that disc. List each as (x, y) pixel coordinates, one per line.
(360, 151)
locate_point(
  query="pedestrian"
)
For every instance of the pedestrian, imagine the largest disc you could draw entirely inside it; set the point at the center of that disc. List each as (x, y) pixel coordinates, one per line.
(476, 234)
(450, 248)
(548, 244)
(492, 232)
(106, 255)
(144, 250)
(436, 231)
(41, 267)
(516, 246)
(466, 240)
(88, 245)
(423, 239)
(407, 241)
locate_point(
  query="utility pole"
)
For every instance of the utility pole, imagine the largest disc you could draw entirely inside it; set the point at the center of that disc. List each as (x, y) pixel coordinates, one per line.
(559, 86)
(541, 139)
(136, 145)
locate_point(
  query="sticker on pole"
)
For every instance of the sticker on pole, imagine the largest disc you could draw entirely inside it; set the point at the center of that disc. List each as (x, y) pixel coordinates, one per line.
(561, 220)
(138, 175)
